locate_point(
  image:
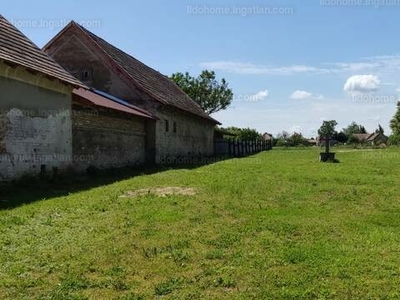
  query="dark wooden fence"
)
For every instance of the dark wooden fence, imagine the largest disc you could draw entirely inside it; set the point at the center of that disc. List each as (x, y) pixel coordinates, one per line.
(237, 148)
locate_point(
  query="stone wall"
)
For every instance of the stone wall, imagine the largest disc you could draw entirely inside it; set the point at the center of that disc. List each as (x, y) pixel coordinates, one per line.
(103, 139)
(188, 136)
(35, 124)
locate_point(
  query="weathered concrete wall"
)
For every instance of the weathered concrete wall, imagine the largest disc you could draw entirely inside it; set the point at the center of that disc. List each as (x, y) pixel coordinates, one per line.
(104, 140)
(35, 123)
(194, 136)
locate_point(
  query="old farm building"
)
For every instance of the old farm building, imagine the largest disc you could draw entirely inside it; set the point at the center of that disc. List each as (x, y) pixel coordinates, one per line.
(182, 129)
(50, 121)
(89, 105)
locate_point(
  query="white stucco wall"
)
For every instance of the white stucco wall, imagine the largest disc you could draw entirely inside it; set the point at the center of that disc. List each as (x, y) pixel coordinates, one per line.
(35, 124)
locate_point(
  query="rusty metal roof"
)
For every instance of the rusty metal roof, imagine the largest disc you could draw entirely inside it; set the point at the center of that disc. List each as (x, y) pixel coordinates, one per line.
(100, 100)
(16, 48)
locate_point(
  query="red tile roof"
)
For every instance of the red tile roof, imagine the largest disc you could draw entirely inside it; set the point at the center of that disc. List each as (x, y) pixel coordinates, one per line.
(101, 101)
(17, 49)
(150, 81)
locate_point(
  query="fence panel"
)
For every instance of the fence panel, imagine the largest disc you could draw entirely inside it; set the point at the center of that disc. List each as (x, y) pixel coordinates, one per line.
(237, 148)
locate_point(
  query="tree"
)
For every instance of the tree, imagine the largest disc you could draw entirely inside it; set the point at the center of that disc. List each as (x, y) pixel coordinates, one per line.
(353, 128)
(296, 139)
(340, 137)
(326, 130)
(380, 129)
(353, 140)
(395, 122)
(245, 134)
(206, 90)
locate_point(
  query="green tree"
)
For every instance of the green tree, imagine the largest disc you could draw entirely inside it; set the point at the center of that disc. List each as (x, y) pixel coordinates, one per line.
(245, 134)
(340, 137)
(380, 129)
(353, 140)
(395, 122)
(296, 139)
(206, 90)
(327, 130)
(353, 128)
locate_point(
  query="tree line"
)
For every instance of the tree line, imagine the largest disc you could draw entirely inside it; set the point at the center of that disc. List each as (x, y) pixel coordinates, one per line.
(344, 136)
(214, 95)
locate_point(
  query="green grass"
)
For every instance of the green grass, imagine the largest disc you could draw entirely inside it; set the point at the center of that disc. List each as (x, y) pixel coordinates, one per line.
(277, 225)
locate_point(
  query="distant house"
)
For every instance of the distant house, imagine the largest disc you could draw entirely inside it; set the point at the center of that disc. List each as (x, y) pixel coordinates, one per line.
(312, 142)
(373, 139)
(181, 129)
(267, 136)
(35, 108)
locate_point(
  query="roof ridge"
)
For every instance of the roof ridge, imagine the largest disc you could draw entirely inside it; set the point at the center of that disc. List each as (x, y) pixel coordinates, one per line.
(180, 100)
(89, 34)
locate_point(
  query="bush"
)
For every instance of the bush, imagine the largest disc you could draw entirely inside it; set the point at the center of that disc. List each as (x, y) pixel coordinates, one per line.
(281, 143)
(394, 140)
(353, 140)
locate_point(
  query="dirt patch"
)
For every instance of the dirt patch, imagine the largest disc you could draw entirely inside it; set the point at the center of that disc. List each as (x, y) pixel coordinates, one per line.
(161, 191)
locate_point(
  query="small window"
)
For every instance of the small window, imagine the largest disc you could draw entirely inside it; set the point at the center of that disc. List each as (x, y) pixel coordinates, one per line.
(86, 74)
(166, 126)
(174, 127)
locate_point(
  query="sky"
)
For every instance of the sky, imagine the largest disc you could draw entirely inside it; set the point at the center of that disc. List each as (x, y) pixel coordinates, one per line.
(290, 63)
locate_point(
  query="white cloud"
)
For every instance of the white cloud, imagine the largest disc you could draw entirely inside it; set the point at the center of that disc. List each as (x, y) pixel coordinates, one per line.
(398, 90)
(384, 64)
(261, 95)
(362, 84)
(354, 66)
(249, 68)
(300, 95)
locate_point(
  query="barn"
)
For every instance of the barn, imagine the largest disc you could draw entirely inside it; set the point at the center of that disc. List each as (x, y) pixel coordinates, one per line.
(51, 122)
(181, 129)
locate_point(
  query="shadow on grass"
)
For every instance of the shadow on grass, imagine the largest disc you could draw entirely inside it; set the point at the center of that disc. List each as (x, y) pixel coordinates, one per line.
(30, 189)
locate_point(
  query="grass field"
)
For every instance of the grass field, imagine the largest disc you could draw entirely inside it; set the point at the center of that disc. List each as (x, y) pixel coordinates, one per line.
(277, 225)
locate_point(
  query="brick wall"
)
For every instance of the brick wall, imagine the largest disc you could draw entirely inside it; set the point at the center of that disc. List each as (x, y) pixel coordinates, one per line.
(104, 139)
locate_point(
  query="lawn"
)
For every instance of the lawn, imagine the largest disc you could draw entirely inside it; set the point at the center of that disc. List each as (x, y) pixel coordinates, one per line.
(277, 225)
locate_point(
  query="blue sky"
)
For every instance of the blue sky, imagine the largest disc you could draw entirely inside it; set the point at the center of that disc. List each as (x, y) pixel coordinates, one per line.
(291, 64)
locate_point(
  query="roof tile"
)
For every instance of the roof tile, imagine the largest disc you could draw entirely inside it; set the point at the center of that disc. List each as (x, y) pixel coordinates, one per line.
(16, 48)
(157, 85)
